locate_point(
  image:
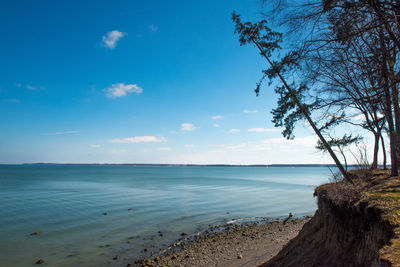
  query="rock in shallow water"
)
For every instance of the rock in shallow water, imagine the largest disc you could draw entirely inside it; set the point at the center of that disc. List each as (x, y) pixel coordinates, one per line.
(40, 261)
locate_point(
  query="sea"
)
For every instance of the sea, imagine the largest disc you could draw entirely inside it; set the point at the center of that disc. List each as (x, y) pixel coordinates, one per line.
(86, 215)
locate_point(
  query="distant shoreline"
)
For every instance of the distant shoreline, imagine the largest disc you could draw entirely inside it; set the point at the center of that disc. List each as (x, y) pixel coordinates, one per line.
(173, 165)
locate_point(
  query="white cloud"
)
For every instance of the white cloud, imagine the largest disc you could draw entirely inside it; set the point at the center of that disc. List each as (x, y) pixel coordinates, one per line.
(153, 28)
(189, 146)
(121, 89)
(187, 127)
(95, 146)
(164, 148)
(30, 87)
(237, 147)
(250, 111)
(63, 132)
(308, 141)
(263, 130)
(216, 125)
(361, 116)
(231, 148)
(217, 117)
(234, 131)
(111, 39)
(138, 139)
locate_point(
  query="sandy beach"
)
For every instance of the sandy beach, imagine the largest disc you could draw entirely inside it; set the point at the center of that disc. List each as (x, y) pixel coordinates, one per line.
(235, 245)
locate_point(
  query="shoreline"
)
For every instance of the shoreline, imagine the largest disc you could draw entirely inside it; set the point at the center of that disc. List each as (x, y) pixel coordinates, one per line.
(227, 245)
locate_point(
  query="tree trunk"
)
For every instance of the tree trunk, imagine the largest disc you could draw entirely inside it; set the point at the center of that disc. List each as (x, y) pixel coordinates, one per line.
(374, 164)
(392, 138)
(308, 118)
(388, 104)
(384, 153)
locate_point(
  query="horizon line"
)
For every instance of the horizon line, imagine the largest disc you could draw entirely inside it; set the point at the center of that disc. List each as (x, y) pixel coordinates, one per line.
(183, 164)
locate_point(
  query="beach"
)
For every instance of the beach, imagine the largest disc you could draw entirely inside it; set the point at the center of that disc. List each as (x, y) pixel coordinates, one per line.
(234, 245)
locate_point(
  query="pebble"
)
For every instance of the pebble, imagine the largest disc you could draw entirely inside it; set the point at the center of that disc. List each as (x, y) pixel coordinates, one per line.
(212, 243)
(40, 261)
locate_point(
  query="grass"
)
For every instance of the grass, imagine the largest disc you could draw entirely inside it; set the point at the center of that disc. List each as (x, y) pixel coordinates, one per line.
(376, 190)
(385, 197)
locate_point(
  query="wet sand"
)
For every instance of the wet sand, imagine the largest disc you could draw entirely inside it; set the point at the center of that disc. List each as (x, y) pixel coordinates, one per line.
(233, 245)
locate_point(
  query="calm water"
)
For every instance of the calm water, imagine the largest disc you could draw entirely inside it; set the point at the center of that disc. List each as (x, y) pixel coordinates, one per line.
(67, 205)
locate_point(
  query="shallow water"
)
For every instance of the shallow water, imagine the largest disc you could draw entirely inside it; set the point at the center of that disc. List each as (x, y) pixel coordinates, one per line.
(67, 204)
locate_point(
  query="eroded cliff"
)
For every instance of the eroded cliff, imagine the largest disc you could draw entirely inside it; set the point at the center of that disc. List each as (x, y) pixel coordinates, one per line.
(355, 225)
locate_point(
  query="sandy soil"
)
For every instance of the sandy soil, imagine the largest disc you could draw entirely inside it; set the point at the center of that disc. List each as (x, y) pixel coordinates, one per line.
(248, 245)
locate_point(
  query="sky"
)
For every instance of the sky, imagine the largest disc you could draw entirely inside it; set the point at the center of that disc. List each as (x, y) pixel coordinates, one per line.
(136, 82)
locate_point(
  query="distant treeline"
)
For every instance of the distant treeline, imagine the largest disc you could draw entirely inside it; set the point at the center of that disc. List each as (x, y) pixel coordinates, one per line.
(182, 165)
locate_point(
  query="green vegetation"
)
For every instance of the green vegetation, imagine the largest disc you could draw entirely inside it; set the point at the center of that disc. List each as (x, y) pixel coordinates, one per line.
(385, 197)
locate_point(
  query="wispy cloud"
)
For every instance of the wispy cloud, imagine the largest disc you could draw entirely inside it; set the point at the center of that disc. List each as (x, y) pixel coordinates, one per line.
(30, 87)
(164, 148)
(120, 89)
(111, 39)
(11, 100)
(234, 131)
(189, 146)
(216, 125)
(250, 111)
(187, 127)
(307, 141)
(95, 146)
(153, 28)
(138, 139)
(264, 130)
(233, 147)
(62, 132)
(217, 117)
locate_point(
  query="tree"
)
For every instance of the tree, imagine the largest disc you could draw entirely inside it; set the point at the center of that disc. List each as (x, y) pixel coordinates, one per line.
(340, 145)
(291, 105)
(366, 34)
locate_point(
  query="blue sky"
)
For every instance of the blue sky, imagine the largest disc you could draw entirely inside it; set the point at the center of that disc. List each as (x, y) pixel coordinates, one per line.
(136, 82)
